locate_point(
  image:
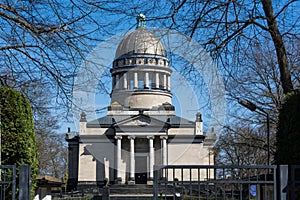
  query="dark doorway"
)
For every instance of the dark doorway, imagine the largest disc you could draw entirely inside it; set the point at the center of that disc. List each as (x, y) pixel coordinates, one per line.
(141, 170)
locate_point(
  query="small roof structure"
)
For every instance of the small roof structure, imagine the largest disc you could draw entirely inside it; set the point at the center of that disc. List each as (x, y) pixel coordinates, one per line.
(49, 181)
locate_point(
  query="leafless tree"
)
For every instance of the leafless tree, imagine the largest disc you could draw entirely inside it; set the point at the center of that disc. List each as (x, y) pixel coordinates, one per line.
(52, 154)
(241, 146)
(226, 27)
(259, 82)
(255, 43)
(49, 39)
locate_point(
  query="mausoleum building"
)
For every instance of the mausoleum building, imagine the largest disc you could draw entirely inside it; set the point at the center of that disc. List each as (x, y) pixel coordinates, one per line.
(141, 128)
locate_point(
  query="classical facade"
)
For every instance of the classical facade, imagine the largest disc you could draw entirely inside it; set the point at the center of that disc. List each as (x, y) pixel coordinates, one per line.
(141, 128)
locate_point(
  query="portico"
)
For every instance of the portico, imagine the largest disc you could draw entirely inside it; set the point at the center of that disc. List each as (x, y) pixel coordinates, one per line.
(143, 140)
(141, 159)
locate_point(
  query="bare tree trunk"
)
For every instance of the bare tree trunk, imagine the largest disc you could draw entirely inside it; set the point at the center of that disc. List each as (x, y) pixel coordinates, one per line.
(285, 75)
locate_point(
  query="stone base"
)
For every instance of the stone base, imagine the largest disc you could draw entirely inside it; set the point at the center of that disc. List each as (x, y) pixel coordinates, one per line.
(105, 193)
(131, 181)
(149, 182)
(118, 180)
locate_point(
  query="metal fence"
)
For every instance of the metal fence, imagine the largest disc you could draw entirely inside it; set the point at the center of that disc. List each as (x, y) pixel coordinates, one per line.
(214, 182)
(8, 181)
(295, 181)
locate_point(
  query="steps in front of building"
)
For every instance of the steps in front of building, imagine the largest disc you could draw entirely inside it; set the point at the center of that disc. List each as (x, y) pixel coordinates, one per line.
(131, 197)
(137, 197)
(119, 192)
(131, 189)
(134, 192)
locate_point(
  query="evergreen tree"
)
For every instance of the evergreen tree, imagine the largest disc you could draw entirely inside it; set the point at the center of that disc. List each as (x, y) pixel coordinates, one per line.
(18, 135)
(288, 134)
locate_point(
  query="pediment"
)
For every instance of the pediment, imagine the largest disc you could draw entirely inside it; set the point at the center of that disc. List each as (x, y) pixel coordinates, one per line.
(138, 122)
(141, 121)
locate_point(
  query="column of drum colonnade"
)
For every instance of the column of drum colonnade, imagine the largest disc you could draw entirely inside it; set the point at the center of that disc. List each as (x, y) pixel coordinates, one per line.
(132, 156)
(126, 71)
(159, 80)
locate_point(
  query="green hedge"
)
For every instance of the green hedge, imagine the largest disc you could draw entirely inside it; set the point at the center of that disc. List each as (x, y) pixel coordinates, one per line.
(17, 128)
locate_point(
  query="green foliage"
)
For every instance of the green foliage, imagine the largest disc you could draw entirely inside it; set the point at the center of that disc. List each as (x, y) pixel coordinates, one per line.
(288, 133)
(17, 129)
(66, 177)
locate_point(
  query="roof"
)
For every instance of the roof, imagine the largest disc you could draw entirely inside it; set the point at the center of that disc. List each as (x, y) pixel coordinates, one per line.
(109, 120)
(106, 121)
(140, 41)
(49, 180)
(174, 121)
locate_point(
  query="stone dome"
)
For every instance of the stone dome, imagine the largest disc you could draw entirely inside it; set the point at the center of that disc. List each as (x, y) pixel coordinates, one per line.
(140, 41)
(141, 72)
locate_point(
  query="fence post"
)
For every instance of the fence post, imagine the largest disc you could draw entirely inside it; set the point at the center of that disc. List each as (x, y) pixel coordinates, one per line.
(155, 183)
(275, 183)
(13, 182)
(24, 182)
(283, 181)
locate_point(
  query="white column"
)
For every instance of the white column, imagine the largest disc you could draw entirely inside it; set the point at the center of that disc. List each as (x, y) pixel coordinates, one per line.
(147, 80)
(157, 80)
(106, 168)
(169, 83)
(151, 157)
(165, 81)
(164, 153)
(131, 158)
(119, 159)
(125, 81)
(136, 83)
(117, 81)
